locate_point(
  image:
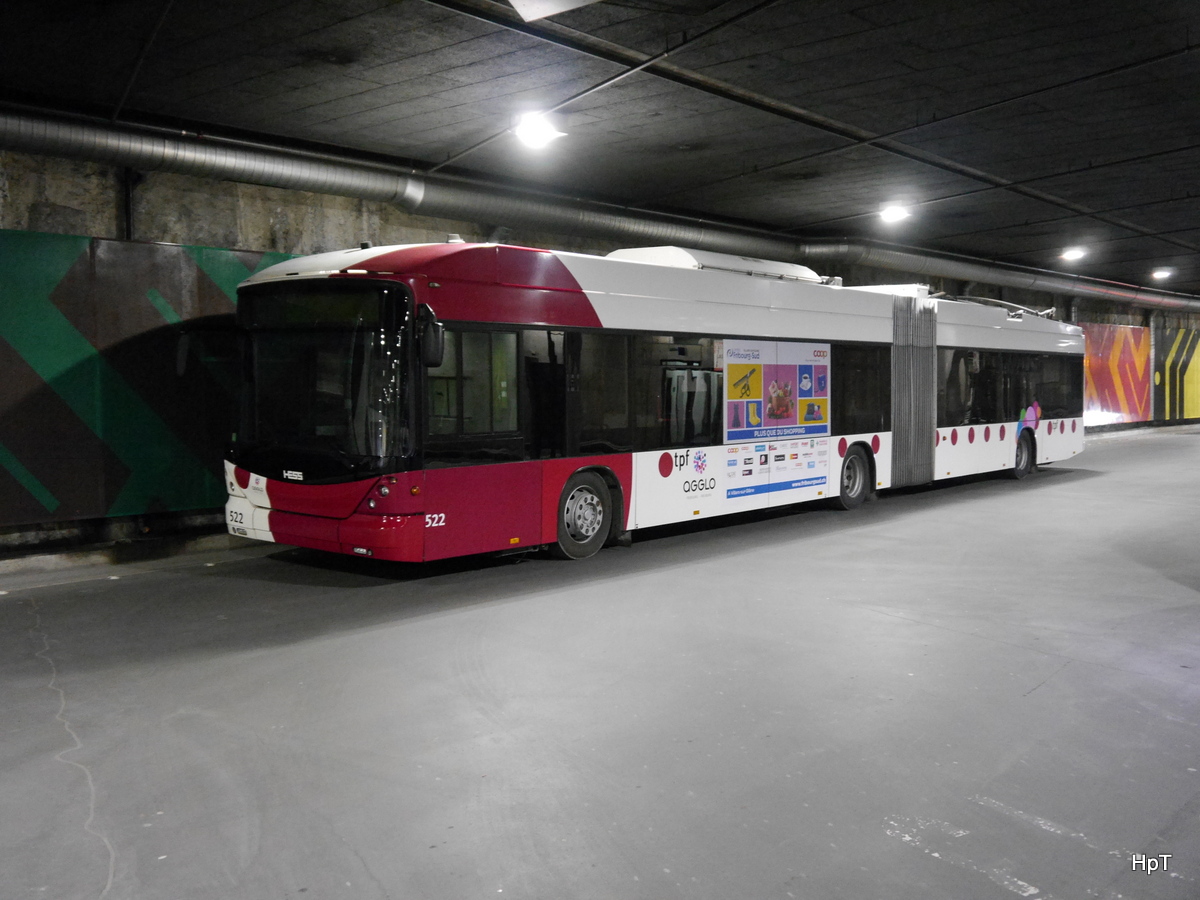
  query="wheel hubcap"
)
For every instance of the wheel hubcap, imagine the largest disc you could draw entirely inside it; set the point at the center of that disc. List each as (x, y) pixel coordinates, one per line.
(582, 514)
(852, 476)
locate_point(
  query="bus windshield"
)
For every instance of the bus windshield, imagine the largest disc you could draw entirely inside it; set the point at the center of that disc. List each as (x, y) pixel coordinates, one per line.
(326, 390)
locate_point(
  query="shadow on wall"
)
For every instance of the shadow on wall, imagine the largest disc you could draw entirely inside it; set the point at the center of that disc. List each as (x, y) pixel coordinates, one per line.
(119, 363)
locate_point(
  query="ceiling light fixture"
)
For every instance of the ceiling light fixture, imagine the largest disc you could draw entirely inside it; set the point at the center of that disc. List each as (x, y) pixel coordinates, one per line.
(894, 213)
(1160, 274)
(536, 131)
(1074, 253)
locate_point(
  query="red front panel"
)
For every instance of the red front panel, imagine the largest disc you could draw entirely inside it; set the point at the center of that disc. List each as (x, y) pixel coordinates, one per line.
(317, 532)
(333, 500)
(463, 510)
(387, 537)
(479, 509)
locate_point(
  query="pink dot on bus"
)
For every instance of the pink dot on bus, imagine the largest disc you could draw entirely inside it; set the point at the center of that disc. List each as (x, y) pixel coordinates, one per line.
(937, 438)
(1062, 427)
(970, 435)
(875, 443)
(1072, 426)
(842, 447)
(665, 465)
(954, 436)
(1001, 432)
(987, 433)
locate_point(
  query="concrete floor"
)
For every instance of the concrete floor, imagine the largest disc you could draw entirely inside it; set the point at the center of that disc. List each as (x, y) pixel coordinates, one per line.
(972, 691)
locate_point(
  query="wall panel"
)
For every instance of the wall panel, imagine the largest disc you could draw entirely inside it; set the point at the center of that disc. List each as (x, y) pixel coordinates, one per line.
(105, 410)
(1117, 367)
(1177, 374)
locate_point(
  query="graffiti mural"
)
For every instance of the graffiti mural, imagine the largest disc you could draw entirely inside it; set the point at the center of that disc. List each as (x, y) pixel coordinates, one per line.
(1117, 366)
(119, 362)
(1177, 374)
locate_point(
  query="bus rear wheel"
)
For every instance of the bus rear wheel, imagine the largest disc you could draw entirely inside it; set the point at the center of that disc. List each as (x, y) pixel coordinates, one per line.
(1023, 463)
(856, 479)
(585, 513)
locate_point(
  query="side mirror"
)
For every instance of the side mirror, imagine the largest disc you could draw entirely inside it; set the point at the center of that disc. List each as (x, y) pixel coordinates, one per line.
(431, 334)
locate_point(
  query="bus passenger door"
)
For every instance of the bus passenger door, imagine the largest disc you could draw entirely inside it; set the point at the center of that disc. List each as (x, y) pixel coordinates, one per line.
(544, 393)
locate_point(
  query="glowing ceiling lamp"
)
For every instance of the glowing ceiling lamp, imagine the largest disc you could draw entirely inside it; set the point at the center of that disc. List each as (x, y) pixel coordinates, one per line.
(894, 212)
(536, 131)
(1162, 274)
(1073, 253)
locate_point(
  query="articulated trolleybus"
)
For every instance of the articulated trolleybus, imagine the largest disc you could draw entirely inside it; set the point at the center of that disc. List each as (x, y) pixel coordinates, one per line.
(427, 401)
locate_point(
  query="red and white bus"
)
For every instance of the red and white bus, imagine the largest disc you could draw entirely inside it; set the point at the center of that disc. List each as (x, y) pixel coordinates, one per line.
(427, 401)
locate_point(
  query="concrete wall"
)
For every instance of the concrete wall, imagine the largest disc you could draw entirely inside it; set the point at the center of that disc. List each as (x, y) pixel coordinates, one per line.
(66, 197)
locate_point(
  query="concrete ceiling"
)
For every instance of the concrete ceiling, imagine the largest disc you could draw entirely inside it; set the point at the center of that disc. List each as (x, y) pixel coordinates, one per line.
(1014, 128)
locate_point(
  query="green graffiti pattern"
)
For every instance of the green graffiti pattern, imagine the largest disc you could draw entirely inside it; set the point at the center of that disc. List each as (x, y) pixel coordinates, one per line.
(164, 473)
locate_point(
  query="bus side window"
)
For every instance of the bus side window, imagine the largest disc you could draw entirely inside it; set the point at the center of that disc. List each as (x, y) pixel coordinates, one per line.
(443, 390)
(604, 394)
(974, 387)
(472, 399)
(1061, 390)
(861, 388)
(676, 394)
(1023, 381)
(489, 381)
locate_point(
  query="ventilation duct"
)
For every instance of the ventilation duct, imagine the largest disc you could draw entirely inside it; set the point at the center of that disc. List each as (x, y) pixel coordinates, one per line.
(187, 153)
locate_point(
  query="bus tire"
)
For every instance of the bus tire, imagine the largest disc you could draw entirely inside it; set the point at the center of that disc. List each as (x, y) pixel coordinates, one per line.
(1023, 460)
(585, 516)
(855, 482)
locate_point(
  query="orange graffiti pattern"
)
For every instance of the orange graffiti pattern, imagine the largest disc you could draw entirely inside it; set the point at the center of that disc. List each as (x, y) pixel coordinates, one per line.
(1118, 373)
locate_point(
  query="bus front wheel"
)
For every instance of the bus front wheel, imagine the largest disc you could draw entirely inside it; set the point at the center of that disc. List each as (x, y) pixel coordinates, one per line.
(585, 513)
(1023, 463)
(856, 479)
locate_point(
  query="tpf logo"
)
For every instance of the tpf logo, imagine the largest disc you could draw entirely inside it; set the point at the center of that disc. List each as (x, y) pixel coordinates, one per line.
(669, 462)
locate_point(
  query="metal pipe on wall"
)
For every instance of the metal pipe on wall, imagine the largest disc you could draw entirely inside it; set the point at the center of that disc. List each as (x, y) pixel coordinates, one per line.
(440, 196)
